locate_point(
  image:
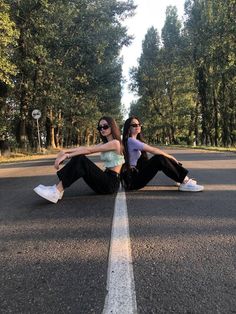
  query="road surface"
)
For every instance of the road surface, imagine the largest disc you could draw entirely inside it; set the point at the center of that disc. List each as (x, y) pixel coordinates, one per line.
(181, 246)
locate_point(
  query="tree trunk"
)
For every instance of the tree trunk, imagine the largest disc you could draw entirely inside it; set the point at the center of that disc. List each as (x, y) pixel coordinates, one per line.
(23, 140)
(216, 120)
(196, 130)
(23, 114)
(51, 130)
(202, 85)
(94, 136)
(4, 148)
(88, 135)
(172, 126)
(59, 131)
(224, 113)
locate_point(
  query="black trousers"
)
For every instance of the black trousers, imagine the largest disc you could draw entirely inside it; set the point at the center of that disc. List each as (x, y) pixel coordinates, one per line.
(138, 177)
(102, 182)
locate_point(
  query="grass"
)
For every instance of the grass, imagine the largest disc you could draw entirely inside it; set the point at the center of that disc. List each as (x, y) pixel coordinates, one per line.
(23, 156)
(209, 148)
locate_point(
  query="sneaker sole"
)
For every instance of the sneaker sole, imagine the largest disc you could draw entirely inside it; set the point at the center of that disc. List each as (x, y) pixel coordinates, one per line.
(45, 197)
(191, 190)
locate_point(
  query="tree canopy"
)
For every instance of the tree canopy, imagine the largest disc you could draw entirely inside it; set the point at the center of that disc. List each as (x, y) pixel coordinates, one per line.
(186, 86)
(61, 57)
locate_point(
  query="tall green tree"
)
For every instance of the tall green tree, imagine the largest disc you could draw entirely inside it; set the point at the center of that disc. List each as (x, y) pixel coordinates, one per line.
(68, 67)
(210, 28)
(8, 36)
(164, 82)
(147, 80)
(194, 76)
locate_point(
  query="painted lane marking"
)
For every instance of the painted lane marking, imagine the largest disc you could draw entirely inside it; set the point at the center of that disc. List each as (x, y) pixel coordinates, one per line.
(121, 296)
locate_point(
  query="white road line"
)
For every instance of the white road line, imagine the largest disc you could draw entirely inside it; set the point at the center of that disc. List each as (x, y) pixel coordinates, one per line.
(121, 296)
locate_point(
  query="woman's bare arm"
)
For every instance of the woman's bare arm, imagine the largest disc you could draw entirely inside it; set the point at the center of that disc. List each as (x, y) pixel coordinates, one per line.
(156, 151)
(83, 150)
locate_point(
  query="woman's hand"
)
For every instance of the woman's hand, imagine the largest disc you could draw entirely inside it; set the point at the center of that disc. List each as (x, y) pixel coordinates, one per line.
(61, 156)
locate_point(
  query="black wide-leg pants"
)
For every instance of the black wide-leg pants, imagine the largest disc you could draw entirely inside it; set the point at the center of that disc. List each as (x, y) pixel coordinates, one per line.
(102, 182)
(146, 170)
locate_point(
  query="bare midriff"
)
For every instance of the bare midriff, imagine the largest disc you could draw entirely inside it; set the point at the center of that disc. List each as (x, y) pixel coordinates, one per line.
(116, 169)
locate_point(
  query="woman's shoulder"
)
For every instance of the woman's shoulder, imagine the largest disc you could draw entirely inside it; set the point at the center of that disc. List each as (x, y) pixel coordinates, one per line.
(135, 144)
(116, 143)
(131, 139)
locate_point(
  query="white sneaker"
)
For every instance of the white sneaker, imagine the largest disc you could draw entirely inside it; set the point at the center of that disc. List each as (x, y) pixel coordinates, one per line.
(50, 193)
(193, 181)
(190, 186)
(48, 186)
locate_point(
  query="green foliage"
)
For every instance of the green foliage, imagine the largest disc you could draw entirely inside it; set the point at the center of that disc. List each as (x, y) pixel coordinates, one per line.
(68, 66)
(187, 86)
(8, 36)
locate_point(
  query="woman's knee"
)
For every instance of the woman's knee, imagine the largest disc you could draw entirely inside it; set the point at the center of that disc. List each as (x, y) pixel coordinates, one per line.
(159, 157)
(77, 159)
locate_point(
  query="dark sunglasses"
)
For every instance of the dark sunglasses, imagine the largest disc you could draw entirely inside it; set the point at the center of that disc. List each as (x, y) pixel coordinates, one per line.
(104, 127)
(135, 125)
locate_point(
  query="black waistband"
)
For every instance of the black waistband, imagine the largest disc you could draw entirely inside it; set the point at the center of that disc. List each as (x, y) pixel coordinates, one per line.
(112, 173)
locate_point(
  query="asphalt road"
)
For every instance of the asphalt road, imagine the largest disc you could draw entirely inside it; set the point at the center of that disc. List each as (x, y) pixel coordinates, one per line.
(54, 257)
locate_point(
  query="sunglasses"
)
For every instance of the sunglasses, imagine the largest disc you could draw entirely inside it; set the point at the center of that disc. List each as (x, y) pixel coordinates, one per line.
(135, 125)
(103, 127)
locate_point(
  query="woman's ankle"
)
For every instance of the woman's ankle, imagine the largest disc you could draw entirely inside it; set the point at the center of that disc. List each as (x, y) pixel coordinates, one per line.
(59, 187)
(186, 179)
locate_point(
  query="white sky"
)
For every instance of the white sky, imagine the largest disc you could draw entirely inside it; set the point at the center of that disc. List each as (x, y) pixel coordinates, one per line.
(148, 13)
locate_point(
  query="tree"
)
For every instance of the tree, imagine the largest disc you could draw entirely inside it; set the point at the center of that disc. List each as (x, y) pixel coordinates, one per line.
(68, 67)
(146, 78)
(192, 80)
(210, 26)
(8, 36)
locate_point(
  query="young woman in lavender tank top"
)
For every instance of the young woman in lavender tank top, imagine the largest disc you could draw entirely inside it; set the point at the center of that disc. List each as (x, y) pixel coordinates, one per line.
(139, 170)
(79, 166)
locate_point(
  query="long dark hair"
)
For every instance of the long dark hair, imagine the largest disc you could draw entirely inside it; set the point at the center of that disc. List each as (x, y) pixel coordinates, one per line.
(126, 135)
(115, 130)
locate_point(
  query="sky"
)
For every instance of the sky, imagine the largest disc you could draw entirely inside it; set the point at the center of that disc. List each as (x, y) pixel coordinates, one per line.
(148, 13)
